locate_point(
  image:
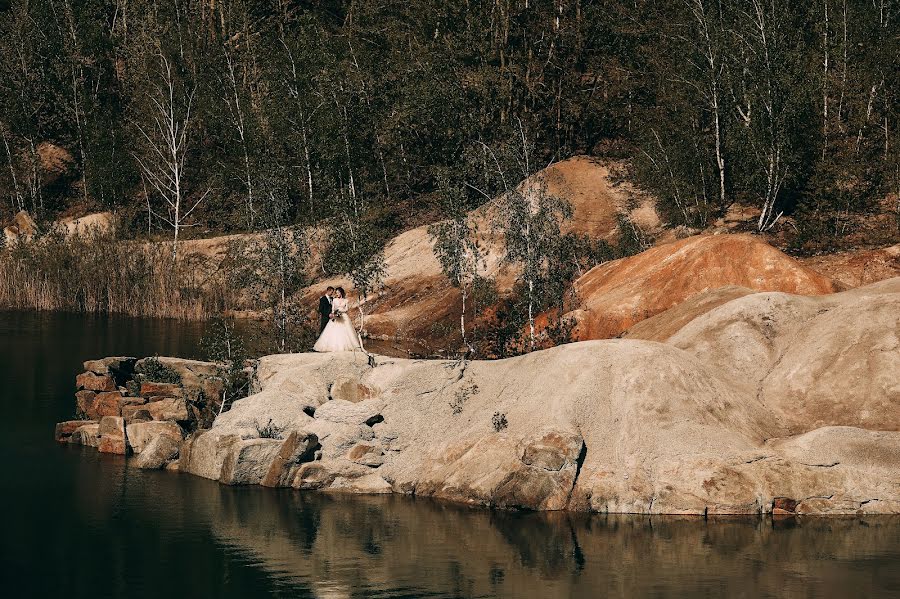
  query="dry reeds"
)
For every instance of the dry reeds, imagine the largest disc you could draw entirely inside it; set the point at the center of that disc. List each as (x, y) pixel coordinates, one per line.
(95, 272)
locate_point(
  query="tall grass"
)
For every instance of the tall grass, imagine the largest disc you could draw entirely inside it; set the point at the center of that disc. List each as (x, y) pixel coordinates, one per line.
(96, 272)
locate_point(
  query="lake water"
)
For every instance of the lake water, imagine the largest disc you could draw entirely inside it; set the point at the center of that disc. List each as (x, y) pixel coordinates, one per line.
(80, 524)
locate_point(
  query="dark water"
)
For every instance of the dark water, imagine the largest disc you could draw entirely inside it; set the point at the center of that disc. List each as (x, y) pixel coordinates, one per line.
(78, 524)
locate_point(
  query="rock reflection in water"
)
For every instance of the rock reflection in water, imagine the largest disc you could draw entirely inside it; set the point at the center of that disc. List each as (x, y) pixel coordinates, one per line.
(342, 546)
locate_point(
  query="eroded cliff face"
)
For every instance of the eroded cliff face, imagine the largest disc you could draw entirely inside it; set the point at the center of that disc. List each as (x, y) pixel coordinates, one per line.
(769, 402)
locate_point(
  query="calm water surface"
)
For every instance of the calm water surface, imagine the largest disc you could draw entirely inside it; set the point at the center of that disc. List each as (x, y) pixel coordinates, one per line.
(78, 524)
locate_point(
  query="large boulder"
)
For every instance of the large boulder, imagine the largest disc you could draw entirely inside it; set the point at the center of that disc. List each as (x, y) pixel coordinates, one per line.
(161, 450)
(95, 382)
(236, 458)
(88, 224)
(344, 412)
(111, 432)
(120, 367)
(22, 228)
(167, 409)
(249, 461)
(141, 434)
(154, 390)
(94, 406)
(350, 389)
(296, 449)
(614, 296)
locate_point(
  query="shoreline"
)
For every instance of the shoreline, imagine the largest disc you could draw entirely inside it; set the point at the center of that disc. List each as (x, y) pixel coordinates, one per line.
(616, 426)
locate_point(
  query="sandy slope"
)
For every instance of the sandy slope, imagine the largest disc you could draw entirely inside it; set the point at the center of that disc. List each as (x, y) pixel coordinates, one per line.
(416, 295)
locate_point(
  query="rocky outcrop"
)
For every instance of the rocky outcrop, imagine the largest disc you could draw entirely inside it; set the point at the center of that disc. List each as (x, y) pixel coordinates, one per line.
(126, 408)
(111, 434)
(142, 434)
(614, 296)
(766, 403)
(747, 403)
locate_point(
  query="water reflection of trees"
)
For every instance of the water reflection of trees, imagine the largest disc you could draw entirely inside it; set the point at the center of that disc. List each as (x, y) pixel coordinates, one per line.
(340, 543)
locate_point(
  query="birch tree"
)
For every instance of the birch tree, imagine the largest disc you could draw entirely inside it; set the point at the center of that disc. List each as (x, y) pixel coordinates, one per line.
(165, 127)
(454, 242)
(529, 219)
(709, 27)
(766, 40)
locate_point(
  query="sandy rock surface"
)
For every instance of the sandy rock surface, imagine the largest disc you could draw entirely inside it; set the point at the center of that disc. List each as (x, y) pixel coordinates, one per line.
(769, 401)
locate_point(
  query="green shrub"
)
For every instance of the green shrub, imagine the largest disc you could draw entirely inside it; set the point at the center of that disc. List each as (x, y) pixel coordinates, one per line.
(154, 370)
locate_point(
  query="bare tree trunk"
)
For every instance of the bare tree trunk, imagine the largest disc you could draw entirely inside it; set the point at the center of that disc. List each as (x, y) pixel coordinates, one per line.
(862, 127)
(37, 198)
(840, 109)
(81, 150)
(309, 177)
(675, 189)
(147, 199)
(772, 164)
(825, 86)
(20, 203)
(462, 316)
(714, 64)
(238, 114)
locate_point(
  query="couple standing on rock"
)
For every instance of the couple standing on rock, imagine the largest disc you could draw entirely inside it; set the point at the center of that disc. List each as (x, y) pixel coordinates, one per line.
(336, 332)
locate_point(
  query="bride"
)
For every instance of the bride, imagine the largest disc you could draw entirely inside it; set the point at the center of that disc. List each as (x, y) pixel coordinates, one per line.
(339, 333)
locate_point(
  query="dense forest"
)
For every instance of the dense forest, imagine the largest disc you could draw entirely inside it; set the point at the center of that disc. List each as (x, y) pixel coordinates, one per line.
(366, 117)
(196, 111)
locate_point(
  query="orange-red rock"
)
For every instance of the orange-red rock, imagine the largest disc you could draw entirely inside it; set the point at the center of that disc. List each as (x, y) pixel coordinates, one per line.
(95, 405)
(614, 296)
(784, 505)
(84, 402)
(665, 324)
(112, 435)
(160, 390)
(136, 412)
(95, 382)
(107, 404)
(853, 269)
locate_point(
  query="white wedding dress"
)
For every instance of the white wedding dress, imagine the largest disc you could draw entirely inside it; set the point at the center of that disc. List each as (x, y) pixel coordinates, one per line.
(339, 333)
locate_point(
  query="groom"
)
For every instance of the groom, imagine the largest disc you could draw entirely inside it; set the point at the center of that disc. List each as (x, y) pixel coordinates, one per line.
(325, 308)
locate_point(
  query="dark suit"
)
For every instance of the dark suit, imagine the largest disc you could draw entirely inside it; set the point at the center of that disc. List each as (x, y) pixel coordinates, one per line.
(324, 313)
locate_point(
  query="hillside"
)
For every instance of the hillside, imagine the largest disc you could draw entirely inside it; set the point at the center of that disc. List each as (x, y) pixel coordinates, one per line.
(417, 295)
